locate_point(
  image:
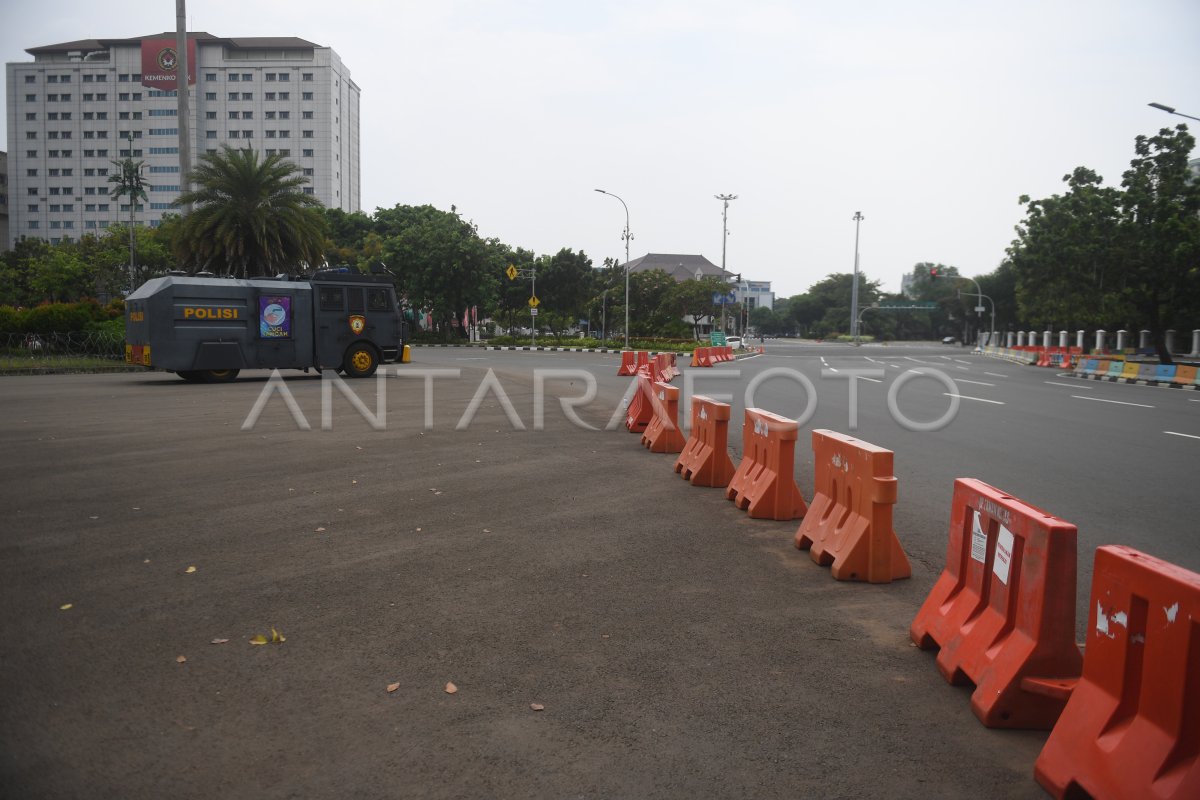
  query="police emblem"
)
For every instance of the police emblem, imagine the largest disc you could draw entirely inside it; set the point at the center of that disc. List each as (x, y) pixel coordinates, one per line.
(358, 324)
(168, 59)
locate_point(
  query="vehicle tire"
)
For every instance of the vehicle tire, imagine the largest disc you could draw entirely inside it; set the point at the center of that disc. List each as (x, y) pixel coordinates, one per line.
(219, 375)
(190, 375)
(361, 361)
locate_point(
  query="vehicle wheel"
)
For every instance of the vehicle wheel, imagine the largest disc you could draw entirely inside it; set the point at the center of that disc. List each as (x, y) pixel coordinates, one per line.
(219, 375)
(361, 361)
(190, 375)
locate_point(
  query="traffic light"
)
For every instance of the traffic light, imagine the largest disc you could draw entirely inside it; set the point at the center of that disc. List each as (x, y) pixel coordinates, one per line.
(933, 273)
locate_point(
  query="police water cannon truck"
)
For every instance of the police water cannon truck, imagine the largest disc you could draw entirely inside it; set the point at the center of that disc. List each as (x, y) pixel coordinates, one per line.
(207, 329)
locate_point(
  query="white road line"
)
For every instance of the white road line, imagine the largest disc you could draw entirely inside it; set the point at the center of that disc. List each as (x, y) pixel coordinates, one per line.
(865, 378)
(980, 399)
(1193, 400)
(945, 358)
(895, 366)
(959, 360)
(978, 383)
(1185, 435)
(1117, 402)
(996, 374)
(964, 369)
(1068, 385)
(873, 361)
(919, 361)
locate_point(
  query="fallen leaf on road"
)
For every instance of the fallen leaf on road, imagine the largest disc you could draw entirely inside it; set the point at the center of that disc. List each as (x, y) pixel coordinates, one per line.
(485, 530)
(190, 570)
(218, 641)
(66, 606)
(319, 530)
(537, 706)
(259, 639)
(451, 688)
(180, 659)
(393, 687)
(277, 637)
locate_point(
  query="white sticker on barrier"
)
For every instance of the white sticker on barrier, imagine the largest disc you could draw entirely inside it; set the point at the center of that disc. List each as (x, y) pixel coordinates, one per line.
(978, 539)
(1004, 552)
(703, 412)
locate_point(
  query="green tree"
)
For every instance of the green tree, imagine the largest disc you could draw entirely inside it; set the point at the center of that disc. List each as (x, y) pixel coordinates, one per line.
(695, 299)
(564, 287)
(129, 183)
(250, 216)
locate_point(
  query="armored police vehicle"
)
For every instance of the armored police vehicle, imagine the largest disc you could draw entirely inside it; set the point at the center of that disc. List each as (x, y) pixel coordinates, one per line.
(208, 328)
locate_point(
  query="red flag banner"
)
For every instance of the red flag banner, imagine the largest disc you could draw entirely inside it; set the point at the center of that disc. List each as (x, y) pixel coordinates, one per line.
(160, 63)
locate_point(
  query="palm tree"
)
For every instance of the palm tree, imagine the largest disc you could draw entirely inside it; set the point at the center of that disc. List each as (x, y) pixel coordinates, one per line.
(128, 182)
(249, 213)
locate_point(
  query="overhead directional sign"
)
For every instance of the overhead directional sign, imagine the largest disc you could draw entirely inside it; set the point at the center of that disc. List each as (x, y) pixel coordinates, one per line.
(722, 299)
(511, 272)
(915, 305)
(533, 302)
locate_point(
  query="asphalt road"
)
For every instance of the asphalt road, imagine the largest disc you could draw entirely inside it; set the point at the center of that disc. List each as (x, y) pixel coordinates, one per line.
(676, 648)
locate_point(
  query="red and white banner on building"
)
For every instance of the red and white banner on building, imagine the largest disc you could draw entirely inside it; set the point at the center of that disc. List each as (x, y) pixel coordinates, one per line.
(160, 63)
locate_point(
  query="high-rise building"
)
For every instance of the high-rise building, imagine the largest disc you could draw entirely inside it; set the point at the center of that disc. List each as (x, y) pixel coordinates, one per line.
(79, 106)
(3, 197)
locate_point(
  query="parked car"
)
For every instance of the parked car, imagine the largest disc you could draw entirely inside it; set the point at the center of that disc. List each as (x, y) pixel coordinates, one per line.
(734, 341)
(949, 340)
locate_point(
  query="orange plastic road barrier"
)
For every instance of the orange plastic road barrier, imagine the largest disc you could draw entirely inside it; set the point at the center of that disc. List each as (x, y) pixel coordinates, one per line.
(728, 353)
(628, 363)
(1184, 376)
(1003, 609)
(849, 524)
(662, 434)
(1132, 725)
(641, 409)
(700, 357)
(763, 484)
(705, 457)
(643, 359)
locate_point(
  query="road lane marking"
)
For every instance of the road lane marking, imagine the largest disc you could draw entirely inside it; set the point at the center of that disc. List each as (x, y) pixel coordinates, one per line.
(964, 369)
(1116, 402)
(1069, 385)
(978, 383)
(980, 399)
(873, 361)
(959, 360)
(1185, 435)
(996, 374)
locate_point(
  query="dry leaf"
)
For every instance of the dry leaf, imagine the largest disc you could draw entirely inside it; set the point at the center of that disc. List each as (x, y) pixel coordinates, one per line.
(451, 688)
(319, 530)
(353, 482)
(190, 570)
(418, 530)
(66, 606)
(180, 659)
(485, 530)
(146, 561)
(393, 687)
(259, 639)
(537, 706)
(218, 641)
(277, 637)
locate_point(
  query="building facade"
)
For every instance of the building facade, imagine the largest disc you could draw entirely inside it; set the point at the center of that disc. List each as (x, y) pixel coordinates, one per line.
(79, 106)
(3, 197)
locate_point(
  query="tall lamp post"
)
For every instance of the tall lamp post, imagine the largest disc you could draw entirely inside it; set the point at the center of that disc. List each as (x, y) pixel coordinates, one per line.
(626, 236)
(724, 198)
(858, 218)
(1171, 110)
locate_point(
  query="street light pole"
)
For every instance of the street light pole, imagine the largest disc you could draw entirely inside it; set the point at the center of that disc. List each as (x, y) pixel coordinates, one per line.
(1171, 110)
(724, 198)
(626, 236)
(858, 218)
(132, 206)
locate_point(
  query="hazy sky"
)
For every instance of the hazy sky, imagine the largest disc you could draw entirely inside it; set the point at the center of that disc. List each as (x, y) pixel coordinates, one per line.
(932, 118)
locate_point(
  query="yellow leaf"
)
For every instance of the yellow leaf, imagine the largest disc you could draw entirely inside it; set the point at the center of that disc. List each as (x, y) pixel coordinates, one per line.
(66, 606)
(277, 637)
(190, 570)
(451, 688)
(392, 687)
(259, 639)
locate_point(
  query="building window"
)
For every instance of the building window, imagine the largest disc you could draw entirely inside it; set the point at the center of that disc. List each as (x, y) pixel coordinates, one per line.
(154, 169)
(89, 190)
(247, 115)
(270, 151)
(164, 188)
(102, 207)
(164, 112)
(31, 98)
(309, 190)
(270, 76)
(285, 95)
(87, 98)
(285, 115)
(159, 206)
(234, 77)
(88, 78)
(308, 171)
(51, 79)
(89, 172)
(33, 208)
(306, 95)
(285, 153)
(247, 95)
(285, 134)
(33, 223)
(306, 153)
(284, 76)
(247, 76)
(210, 76)
(30, 116)
(307, 76)
(269, 96)
(307, 134)
(123, 78)
(210, 115)
(233, 95)
(30, 134)
(210, 134)
(234, 114)
(31, 172)
(123, 97)
(31, 153)
(234, 134)
(270, 115)
(306, 114)
(247, 134)
(32, 190)
(31, 79)
(210, 95)
(90, 224)
(270, 134)
(160, 151)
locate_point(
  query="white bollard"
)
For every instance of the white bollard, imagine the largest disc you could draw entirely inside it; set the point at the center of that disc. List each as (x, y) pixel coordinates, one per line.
(1121, 335)
(1170, 341)
(1143, 340)
(1195, 343)
(1101, 335)
(1062, 338)
(1046, 338)
(1079, 340)
(1021, 338)
(1010, 339)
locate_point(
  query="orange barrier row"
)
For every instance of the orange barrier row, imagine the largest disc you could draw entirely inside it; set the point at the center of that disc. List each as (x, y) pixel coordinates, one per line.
(1132, 725)
(849, 524)
(1003, 609)
(705, 457)
(701, 357)
(763, 485)
(662, 433)
(632, 361)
